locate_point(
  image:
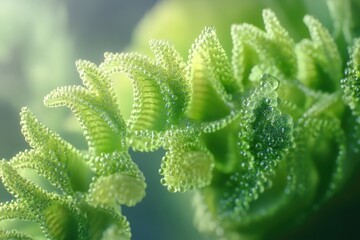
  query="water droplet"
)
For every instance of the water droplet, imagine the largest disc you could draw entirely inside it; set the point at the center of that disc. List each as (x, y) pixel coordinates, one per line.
(163, 181)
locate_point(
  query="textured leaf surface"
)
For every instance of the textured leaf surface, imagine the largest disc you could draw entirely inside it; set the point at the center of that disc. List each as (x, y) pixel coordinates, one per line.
(211, 78)
(120, 181)
(274, 48)
(263, 134)
(264, 138)
(351, 82)
(95, 107)
(319, 57)
(186, 165)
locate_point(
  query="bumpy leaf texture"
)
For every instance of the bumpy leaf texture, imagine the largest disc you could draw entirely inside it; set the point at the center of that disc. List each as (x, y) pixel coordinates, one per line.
(262, 135)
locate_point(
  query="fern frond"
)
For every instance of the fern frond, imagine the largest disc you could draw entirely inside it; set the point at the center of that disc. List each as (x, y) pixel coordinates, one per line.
(95, 108)
(211, 79)
(175, 67)
(118, 188)
(41, 206)
(322, 105)
(260, 135)
(22, 188)
(103, 222)
(62, 220)
(119, 230)
(13, 235)
(214, 126)
(16, 209)
(152, 95)
(209, 49)
(48, 166)
(187, 164)
(317, 136)
(274, 48)
(55, 148)
(95, 80)
(319, 57)
(146, 140)
(264, 138)
(119, 182)
(36, 134)
(341, 14)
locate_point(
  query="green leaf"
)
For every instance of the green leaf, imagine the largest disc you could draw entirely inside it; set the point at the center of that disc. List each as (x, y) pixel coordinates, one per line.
(187, 164)
(119, 182)
(22, 188)
(152, 108)
(208, 47)
(64, 222)
(16, 209)
(96, 81)
(145, 140)
(103, 127)
(214, 126)
(211, 78)
(274, 48)
(340, 11)
(175, 67)
(319, 57)
(119, 230)
(47, 165)
(324, 141)
(116, 189)
(100, 220)
(265, 137)
(45, 141)
(13, 235)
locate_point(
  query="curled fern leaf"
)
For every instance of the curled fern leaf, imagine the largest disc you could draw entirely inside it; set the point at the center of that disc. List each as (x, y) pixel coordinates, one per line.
(62, 154)
(274, 48)
(71, 210)
(261, 135)
(319, 58)
(187, 164)
(120, 181)
(210, 86)
(95, 107)
(151, 107)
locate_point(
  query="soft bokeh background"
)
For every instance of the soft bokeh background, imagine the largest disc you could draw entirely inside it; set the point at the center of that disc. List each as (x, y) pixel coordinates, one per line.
(40, 40)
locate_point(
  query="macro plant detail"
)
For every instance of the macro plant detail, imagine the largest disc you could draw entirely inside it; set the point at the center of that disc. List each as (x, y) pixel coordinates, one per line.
(270, 133)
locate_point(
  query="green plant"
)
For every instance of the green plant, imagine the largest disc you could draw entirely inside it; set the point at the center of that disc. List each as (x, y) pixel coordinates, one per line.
(270, 134)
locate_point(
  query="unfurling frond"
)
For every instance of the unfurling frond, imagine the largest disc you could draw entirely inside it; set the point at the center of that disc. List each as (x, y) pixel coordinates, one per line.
(155, 100)
(211, 78)
(175, 67)
(186, 165)
(120, 181)
(259, 135)
(70, 210)
(95, 107)
(320, 64)
(58, 154)
(324, 141)
(274, 48)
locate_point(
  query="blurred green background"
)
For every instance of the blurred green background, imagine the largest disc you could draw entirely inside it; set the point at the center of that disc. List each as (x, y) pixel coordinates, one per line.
(40, 40)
